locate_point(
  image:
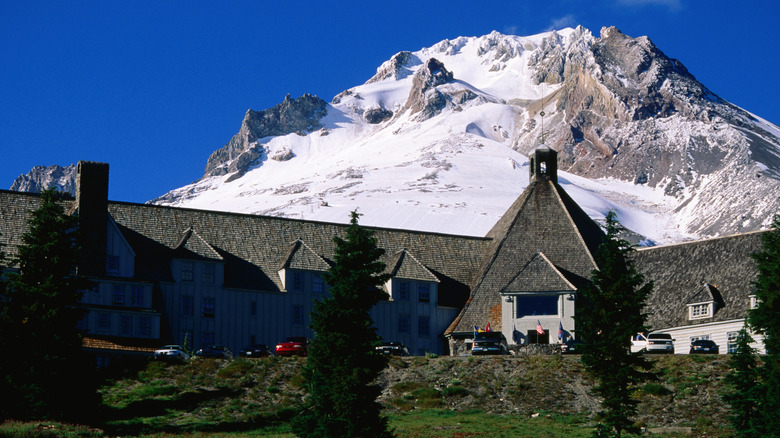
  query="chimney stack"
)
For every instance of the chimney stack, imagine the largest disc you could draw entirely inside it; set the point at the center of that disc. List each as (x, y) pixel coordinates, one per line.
(92, 210)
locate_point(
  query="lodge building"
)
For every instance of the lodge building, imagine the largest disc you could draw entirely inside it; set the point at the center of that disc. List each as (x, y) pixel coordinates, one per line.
(166, 275)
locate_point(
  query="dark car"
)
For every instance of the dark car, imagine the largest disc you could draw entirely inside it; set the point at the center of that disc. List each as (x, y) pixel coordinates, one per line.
(256, 350)
(293, 346)
(214, 352)
(704, 346)
(572, 346)
(489, 343)
(393, 349)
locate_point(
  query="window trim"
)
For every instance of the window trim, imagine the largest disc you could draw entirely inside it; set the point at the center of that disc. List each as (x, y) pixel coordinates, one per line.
(700, 310)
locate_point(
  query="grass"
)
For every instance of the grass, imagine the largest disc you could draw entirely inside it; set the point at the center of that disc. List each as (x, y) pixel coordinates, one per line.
(431, 397)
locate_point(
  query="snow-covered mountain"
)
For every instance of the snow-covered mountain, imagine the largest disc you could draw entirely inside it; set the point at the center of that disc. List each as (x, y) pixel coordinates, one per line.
(438, 140)
(40, 178)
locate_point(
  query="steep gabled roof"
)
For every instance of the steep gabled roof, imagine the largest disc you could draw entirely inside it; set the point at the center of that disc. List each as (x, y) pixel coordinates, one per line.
(678, 270)
(192, 246)
(302, 257)
(544, 218)
(539, 275)
(405, 265)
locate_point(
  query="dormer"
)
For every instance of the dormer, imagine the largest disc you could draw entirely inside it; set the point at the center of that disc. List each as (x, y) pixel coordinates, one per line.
(405, 270)
(705, 302)
(544, 165)
(298, 259)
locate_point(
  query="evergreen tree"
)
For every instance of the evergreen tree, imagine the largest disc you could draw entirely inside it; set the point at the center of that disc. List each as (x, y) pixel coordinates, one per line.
(609, 314)
(342, 363)
(45, 373)
(745, 396)
(765, 320)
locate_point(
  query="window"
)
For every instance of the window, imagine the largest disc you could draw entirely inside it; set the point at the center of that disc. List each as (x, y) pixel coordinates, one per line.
(423, 326)
(404, 324)
(209, 273)
(112, 263)
(103, 322)
(118, 295)
(207, 307)
(536, 305)
(145, 327)
(187, 305)
(403, 291)
(696, 338)
(732, 342)
(753, 301)
(424, 292)
(253, 309)
(699, 310)
(297, 281)
(318, 285)
(187, 271)
(126, 325)
(297, 314)
(137, 296)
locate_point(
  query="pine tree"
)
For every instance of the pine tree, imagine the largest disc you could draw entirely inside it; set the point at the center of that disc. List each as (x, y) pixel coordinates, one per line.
(745, 396)
(342, 363)
(609, 314)
(765, 320)
(45, 373)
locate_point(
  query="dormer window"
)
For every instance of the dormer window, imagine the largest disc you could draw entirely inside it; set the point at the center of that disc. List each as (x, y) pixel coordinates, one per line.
(753, 301)
(112, 264)
(700, 310)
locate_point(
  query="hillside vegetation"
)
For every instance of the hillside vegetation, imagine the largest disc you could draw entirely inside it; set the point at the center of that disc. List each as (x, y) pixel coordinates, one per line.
(422, 396)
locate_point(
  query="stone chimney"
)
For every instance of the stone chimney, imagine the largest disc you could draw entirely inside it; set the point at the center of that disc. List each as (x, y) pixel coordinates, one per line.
(92, 210)
(544, 165)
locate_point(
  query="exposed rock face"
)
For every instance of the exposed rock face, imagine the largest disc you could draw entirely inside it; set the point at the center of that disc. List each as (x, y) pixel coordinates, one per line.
(300, 116)
(40, 178)
(424, 98)
(377, 115)
(396, 68)
(622, 109)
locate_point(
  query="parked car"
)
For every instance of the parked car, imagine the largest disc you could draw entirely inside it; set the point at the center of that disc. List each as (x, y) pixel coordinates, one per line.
(572, 346)
(293, 346)
(393, 349)
(704, 346)
(171, 352)
(256, 350)
(214, 352)
(652, 343)
(489, 343)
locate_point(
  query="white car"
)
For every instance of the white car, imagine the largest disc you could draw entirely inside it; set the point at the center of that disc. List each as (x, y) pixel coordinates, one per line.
(652, 343)
(171, 352)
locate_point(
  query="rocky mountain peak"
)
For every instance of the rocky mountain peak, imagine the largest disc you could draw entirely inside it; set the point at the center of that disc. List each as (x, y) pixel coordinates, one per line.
(300, 116)
(424, 98)
(40, 178)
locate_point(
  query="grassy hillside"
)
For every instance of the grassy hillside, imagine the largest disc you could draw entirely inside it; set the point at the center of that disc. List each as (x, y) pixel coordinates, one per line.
(424, 397)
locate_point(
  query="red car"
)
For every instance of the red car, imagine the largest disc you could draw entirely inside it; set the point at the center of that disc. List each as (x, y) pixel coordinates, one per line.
(293, 346)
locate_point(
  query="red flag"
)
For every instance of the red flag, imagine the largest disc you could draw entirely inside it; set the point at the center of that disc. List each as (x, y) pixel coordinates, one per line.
(487, 328)
(539, 328)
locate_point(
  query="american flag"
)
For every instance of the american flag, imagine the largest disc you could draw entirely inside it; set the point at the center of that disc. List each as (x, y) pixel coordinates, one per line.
(539, 328)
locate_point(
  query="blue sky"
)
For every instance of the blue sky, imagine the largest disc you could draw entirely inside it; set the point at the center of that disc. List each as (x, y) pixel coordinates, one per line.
(154, 87)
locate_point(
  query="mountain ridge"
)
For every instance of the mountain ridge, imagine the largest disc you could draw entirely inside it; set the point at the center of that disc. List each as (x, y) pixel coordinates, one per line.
(438, 139)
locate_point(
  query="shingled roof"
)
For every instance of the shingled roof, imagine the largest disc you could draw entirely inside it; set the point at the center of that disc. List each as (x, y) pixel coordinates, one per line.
(718, 269)
(539, 275)
(303, 257)
(544, 218)
(405, 265)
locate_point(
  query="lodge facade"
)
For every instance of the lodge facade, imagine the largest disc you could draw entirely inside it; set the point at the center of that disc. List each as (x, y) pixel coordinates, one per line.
(174, 275)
